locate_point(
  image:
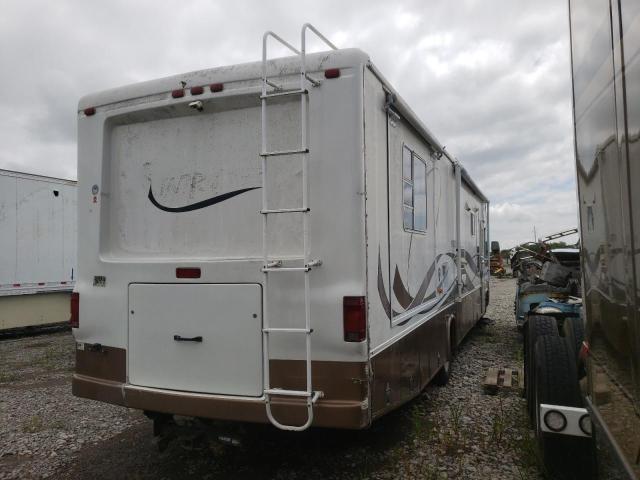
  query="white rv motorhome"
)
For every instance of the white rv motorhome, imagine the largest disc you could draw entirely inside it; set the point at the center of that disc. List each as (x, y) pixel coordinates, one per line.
(278, 241)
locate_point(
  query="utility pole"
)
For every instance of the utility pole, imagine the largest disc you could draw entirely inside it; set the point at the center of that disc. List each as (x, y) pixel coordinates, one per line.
(535, 237)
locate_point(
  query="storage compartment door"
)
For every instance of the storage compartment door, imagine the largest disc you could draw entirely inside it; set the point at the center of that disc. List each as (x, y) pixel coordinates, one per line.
(196, 337)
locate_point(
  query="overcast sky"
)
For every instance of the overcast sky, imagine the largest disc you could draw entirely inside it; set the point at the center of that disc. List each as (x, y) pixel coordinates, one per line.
(490, 78)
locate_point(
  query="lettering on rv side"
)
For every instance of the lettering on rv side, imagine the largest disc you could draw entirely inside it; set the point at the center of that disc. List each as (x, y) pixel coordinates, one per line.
(190, 182)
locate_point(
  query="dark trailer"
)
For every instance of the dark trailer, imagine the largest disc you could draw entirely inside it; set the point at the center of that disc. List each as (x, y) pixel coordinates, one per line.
(605, 48)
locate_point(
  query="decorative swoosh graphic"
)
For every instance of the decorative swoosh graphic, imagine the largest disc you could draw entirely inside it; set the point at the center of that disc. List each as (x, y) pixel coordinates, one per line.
(198, 205)
(405, 299)
(401, 292)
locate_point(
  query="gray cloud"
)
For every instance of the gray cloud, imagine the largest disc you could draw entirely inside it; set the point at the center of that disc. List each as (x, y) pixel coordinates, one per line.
(490, 78)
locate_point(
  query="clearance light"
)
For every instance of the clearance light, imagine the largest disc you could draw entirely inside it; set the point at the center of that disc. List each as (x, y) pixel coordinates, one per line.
(177, 93)
(332, 73)
(585, 424)
(584, 351)
(184, 272)
(217, 87)
(555, 420)
(90, 111)
(355, 319)
(74, 320)
(197, 90)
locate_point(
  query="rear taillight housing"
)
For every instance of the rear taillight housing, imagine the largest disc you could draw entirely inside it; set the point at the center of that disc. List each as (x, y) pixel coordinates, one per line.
(332, 73)
(74, 320)
(188, 272)
(354, 311)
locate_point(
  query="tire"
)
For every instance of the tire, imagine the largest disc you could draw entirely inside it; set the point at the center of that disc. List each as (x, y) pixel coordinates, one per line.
(556, 383)
(573, 331)
(536, 326)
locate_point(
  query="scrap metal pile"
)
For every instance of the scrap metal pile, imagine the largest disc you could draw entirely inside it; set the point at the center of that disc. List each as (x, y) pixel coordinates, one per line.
(548, 279)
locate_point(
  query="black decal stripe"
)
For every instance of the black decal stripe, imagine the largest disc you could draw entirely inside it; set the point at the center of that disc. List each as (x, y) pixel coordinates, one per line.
(198, 205)
(402, 295)
(381, 290)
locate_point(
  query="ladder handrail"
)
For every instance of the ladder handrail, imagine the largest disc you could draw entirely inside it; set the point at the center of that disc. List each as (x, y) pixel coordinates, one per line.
(303, 51)
(314, 30)
(278, 38)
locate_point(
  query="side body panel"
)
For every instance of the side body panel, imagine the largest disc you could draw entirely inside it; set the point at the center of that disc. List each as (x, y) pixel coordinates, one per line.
(605, 40)
(37, 234)
(416, 312)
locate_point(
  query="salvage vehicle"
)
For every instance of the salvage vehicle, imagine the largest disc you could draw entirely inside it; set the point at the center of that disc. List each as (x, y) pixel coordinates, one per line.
(281, 241)
(583, 378)
(496, 262)
(37, 251)
(552, 276)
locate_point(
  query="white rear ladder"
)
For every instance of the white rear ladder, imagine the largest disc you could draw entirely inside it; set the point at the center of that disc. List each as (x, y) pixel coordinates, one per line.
(274, 266)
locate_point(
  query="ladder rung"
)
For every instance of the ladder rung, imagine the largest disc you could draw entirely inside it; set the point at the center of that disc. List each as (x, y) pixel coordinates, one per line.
(283, 94)
(285, 210)
(292, 393)
(286, 269)
(288, 330)
(284, 152)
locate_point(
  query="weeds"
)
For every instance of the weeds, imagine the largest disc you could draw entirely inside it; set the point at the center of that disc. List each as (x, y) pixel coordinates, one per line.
(454, 437)
(499, 425)
(36, 423)
(33, 424)
(7, 377)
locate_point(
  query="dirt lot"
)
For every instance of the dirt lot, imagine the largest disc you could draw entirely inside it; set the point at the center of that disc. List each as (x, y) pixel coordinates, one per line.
(456, 431)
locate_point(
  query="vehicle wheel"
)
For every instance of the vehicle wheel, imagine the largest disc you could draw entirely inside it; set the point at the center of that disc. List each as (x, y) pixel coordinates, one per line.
(442, 377)
(556, 383)
(536, 326)
(573, 330)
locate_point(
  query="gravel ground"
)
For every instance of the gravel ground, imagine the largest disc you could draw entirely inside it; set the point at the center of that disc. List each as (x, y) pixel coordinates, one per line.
(456, 431)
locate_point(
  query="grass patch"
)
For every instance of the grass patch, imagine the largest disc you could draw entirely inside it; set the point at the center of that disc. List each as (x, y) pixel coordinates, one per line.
(33, 424)
(499, 425)
(8, 377)
(52, 359)
(36, 423)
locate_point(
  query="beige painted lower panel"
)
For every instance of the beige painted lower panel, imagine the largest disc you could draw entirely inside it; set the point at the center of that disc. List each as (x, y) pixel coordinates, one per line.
(19, 311)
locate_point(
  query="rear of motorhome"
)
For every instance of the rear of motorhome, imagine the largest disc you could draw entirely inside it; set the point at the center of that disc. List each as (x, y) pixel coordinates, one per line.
(281, 241)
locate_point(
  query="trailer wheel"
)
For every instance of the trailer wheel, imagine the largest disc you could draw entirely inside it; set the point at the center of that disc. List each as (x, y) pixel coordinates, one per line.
(573, 329)
(556, 383)
(536, 326)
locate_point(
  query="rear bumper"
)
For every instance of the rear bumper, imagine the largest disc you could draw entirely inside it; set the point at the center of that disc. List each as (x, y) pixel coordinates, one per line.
(101, 376)
(327, 413)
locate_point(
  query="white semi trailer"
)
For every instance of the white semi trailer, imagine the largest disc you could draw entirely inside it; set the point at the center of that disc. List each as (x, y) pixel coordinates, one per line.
(278, 241)
(38, 235)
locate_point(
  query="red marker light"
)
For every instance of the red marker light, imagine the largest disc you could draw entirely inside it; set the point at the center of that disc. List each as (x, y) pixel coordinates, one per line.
(90, 111)
(217, 87)
(177, 93)
(354, 310)
(197, 90)
(74, 320)
(332, 73)
(584, 351)
(184, 272)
